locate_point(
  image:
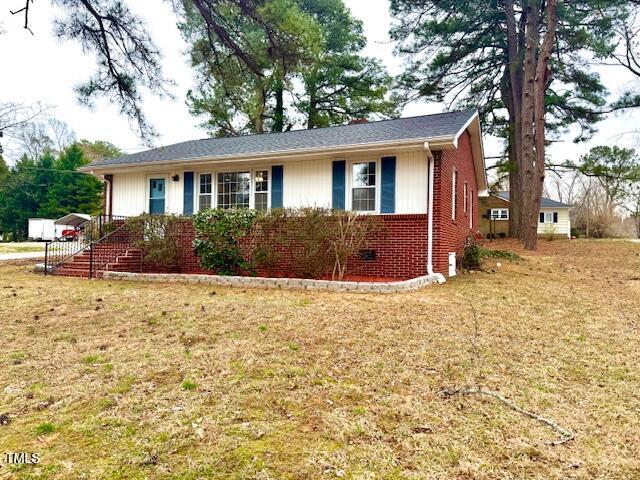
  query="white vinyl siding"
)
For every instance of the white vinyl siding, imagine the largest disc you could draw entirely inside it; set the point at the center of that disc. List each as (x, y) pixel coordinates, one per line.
(306, 183)
(129, 194)
(561, 227)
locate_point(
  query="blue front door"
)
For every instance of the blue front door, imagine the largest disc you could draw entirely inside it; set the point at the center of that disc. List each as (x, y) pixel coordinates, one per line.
(156, 195)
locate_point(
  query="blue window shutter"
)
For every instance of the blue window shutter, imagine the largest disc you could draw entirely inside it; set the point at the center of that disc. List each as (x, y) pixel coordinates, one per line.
(555, 217)
(338, 174)
(188, 188)
(277, 174)
(388, 185)
(541, 217)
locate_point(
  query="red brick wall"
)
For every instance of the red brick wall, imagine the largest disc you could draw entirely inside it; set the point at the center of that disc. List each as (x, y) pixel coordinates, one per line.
(449, 234)
(401, 250)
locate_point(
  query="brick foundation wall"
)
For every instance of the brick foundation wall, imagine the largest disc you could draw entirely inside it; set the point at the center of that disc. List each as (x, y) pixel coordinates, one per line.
(401, 251)
(449, 234)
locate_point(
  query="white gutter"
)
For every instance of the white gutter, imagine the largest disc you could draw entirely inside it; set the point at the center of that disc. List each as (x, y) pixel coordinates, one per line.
(439, 277)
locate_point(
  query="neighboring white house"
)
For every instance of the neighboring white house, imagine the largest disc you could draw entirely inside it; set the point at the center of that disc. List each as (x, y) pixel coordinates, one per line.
(553, 218)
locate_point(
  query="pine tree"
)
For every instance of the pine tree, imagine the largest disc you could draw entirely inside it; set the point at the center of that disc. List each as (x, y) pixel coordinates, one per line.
(497, 56)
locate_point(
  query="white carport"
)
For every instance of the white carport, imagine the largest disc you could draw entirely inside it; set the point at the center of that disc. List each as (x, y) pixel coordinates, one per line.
(73, 220)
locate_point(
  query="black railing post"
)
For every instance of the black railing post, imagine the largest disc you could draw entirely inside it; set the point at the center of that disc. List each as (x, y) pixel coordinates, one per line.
(100, 226)
(91, 260)
(46, 256)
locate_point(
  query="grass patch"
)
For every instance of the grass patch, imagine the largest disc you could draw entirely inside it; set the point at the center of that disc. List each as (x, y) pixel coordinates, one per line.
(189, 385)
(21, 247)
(328, 385)
(92, 359)
(45, 428)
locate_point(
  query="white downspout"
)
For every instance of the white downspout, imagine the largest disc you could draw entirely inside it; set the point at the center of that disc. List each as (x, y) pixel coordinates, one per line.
(439, 277)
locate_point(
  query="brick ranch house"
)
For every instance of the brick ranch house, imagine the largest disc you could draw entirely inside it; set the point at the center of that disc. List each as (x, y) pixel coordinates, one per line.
(420, 175)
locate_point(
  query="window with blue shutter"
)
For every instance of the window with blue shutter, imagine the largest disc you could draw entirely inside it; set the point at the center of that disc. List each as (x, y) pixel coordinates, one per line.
(277, 180)
(338, 182)
(388, 185)
(188, 193)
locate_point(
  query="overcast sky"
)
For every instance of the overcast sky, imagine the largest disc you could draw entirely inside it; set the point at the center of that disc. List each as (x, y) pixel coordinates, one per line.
(39, 68)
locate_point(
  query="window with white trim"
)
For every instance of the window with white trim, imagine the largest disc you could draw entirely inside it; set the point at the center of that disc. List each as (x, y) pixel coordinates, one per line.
(205, 192)
(471, 209)
(234, 189)
(261, 189)
(363, 191)
(548, 217)
(465, 196)
(500, 214)
(454, 193)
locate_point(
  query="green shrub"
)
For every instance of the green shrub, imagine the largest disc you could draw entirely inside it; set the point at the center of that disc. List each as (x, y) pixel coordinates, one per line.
(158, 237)
(320, 241)
(217, 235)
(269, 231)
(503, 254)
(309, 240)
(473, 255)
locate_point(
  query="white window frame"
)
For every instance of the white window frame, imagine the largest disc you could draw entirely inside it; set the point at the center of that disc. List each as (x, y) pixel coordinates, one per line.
(454, 193)
(254, 192)
(465, 196)
(496, 214)
(197, 188)
(235, 170)
(471, 208)
(549, 215)
(350, 187)
(214, 187)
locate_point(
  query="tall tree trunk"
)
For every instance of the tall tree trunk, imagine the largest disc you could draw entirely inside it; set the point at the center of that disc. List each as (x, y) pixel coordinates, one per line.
(527, 137)
(258, 121)
(278, 114)
(313, 109)
(514, 69)
(535, 153)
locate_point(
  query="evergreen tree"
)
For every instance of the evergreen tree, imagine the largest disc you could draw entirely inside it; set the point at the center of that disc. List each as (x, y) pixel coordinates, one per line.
(294, 62)
(4, 171)
(497, 56)
(71, 191)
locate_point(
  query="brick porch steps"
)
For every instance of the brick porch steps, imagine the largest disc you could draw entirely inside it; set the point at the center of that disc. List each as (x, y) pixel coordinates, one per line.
(130, 260)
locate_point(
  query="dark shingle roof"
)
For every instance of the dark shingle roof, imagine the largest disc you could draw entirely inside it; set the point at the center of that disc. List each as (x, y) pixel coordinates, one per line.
(413, 128)
(546, 202)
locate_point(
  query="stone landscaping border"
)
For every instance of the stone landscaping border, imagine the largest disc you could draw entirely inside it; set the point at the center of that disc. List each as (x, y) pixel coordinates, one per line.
(281, 283)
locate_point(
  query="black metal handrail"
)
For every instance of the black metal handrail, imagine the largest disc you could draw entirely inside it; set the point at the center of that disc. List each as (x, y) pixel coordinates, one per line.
(82, 237)
(112, 245)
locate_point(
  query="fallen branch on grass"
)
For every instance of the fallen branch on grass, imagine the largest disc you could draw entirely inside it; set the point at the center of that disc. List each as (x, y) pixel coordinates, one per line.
(566, 435)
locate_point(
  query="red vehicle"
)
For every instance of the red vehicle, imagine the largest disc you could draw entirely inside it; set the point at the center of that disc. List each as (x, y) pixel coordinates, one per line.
(69, 234)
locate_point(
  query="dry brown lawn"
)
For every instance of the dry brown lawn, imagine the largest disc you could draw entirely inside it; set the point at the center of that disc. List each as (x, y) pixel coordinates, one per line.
(117, 380)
